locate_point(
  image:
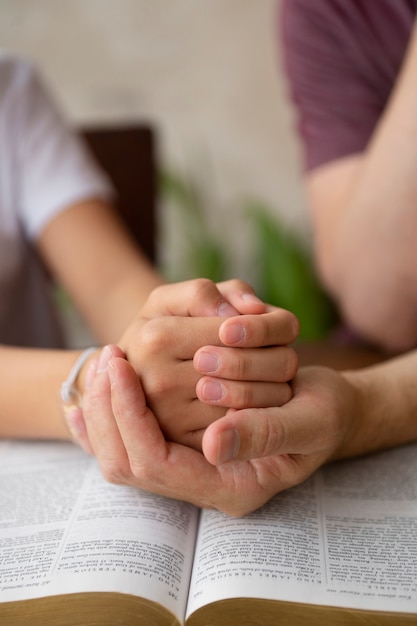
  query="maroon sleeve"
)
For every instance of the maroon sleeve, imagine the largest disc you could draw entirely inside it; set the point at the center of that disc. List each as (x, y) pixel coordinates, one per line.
(341, 59)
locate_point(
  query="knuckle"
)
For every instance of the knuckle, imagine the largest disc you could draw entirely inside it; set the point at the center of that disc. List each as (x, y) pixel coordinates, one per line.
(239, 285)
(263, 332)
(140, 473)
(164, 384)
(238, 396)
(290, 363)
(286, 393)
(246, 396)
(239, 365)
(156, 295)
(127, 472)
(283, 325)
(114, 472)
(94, 396)
(201, 286)
(153, 335)
(205, 297)
(157, 386)
(292, 324)
(148, 476)
(272, 437)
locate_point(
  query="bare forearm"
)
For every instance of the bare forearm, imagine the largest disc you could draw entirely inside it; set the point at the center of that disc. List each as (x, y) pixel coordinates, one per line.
(107, 275)
(30, 383)
(387, 406)
(120, 300)
(368, 255)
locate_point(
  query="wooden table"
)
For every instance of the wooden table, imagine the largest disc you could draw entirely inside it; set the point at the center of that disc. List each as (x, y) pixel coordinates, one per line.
(338, 356)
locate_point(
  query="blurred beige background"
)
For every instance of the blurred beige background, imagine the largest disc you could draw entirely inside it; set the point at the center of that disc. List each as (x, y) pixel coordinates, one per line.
(205, 73)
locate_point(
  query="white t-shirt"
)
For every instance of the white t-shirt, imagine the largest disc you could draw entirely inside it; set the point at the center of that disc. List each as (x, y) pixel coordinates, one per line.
(44, 168)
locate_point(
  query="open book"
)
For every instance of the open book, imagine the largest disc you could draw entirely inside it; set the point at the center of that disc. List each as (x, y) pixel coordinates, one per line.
(74, 550)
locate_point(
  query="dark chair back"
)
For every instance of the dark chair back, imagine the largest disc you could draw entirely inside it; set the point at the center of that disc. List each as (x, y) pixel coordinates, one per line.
(127, 155)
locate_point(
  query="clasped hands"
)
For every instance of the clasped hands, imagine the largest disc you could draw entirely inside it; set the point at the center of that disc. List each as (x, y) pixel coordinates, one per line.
(200, 400)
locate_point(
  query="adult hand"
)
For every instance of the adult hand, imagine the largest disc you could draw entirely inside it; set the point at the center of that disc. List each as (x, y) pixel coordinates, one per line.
(321, 422)
(294, 439)
(332, 415)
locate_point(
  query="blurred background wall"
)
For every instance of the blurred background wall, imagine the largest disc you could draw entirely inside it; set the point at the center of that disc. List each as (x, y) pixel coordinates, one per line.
(205, 73)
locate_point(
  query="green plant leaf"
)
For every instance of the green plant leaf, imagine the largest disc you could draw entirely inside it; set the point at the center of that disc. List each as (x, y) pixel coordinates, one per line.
(285, 272)
(204, 255)
(286, 275)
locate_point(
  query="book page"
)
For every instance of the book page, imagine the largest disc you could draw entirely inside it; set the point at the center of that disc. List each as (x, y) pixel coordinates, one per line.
(346, 537)
(64, 529)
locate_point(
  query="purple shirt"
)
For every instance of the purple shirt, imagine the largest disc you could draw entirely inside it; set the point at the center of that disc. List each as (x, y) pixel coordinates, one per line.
(342, 58)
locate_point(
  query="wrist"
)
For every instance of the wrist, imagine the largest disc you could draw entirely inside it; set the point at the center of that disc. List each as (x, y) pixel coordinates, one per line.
(376, 423)
(356, 416)
(72, 389)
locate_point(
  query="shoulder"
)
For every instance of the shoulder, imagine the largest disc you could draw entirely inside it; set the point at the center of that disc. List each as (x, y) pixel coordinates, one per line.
(16, 73)
(340, 68)
(23, 93)
(353, 30)
(55, 170)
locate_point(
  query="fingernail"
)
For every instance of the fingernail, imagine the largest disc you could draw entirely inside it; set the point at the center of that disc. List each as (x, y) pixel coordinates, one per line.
(228, 444)
(104, 359)
(112, 375)
(233, 334)
(213, 391)
(207, 363)
(250, 297)
(75, 421)
(226, 310)
(90, 373)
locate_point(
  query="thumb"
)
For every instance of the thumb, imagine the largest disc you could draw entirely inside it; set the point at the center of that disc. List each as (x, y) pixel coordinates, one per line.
(256, 433)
